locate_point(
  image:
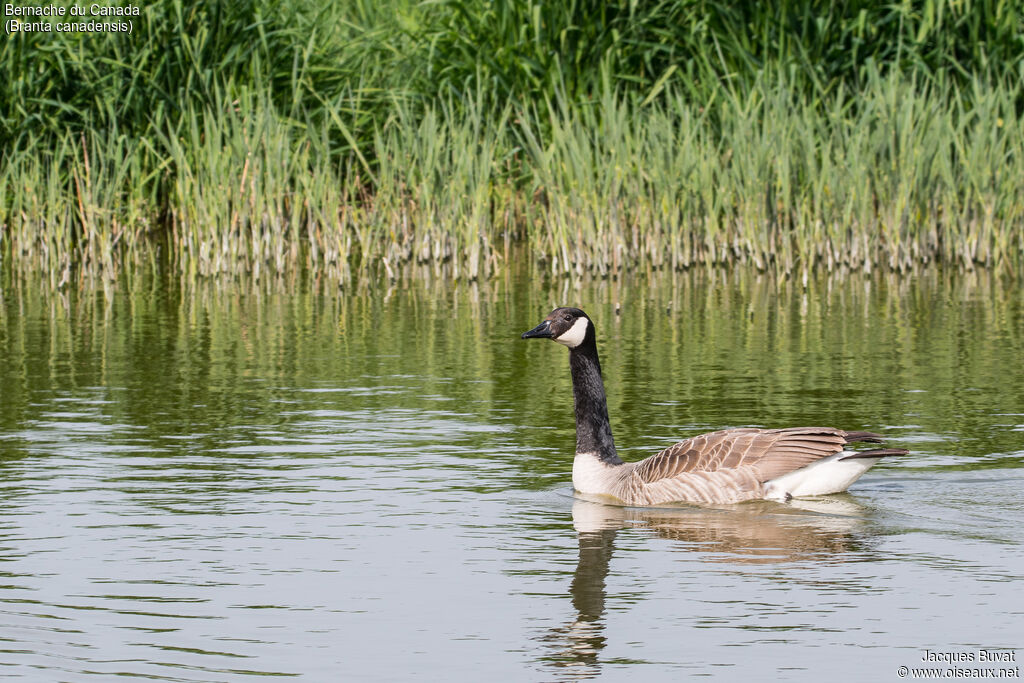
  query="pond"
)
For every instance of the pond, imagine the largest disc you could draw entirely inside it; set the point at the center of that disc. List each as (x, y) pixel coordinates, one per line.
(223, 482)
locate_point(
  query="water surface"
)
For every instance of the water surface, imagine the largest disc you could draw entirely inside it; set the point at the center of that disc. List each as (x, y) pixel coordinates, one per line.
(225, 482)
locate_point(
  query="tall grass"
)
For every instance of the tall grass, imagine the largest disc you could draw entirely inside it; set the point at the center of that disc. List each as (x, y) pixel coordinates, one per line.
(352, 139)
(529, 49)
(911, 175)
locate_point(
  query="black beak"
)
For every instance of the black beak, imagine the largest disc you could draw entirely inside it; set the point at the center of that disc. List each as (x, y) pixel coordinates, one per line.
(543, 331)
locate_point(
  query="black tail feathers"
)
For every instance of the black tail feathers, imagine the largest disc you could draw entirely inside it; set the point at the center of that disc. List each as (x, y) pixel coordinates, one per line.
(876, 453)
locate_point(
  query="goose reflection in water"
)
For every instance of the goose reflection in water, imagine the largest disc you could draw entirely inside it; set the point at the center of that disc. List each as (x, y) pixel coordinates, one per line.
(761, 532)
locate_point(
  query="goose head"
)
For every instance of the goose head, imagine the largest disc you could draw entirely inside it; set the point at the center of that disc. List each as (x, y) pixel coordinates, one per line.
(568, 326)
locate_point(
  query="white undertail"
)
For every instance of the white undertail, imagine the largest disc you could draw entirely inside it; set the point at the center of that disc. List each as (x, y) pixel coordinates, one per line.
(822, 477)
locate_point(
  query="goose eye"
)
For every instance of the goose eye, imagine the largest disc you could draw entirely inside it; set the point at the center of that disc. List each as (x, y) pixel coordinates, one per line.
(567, 317)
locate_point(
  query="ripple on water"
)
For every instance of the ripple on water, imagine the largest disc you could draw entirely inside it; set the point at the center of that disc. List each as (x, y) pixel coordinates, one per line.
(223, 487)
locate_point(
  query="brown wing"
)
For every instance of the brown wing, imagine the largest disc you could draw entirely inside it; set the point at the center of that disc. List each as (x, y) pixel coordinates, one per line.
(769, 453)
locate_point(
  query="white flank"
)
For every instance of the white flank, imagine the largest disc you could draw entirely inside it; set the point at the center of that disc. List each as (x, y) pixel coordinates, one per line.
(574, 336)
(820, 478)
(590, 475)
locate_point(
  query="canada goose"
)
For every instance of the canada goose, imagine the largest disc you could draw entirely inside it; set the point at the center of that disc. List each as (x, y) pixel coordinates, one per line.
(727, 466)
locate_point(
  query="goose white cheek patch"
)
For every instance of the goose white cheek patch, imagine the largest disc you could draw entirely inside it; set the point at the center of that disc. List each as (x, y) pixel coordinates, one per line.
(574, 336)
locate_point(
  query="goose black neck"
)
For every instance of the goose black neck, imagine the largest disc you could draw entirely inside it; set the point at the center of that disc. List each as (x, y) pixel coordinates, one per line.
(593, 431)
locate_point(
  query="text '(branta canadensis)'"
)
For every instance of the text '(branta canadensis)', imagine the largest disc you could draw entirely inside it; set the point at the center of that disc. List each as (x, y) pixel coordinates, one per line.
(728, 466)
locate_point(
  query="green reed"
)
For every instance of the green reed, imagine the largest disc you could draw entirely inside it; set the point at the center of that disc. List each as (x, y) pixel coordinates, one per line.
(356, 140)
(911, 175)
